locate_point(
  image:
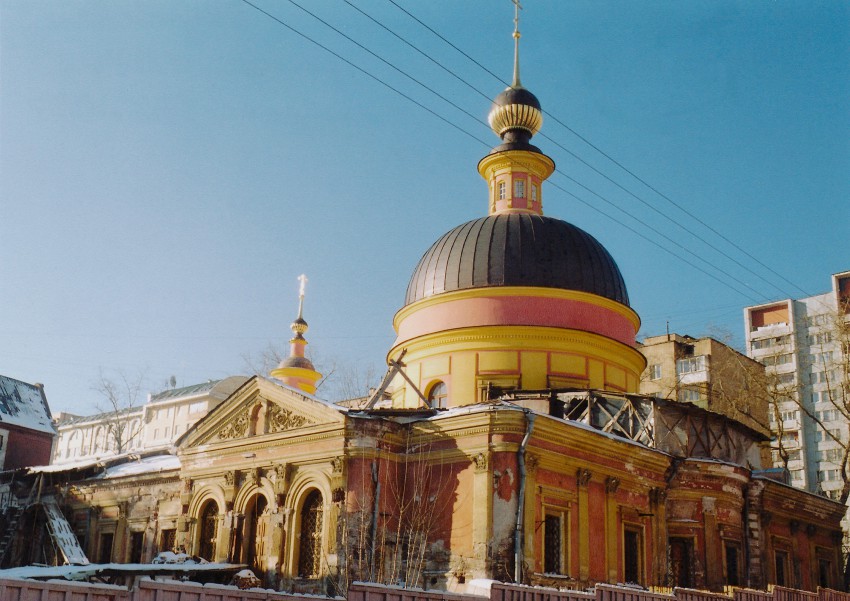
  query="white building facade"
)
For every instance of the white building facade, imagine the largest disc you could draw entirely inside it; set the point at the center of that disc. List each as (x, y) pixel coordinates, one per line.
(155, 425)
(803, 345)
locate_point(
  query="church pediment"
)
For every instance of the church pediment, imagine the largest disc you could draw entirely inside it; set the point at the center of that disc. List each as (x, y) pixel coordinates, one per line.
(259, 408)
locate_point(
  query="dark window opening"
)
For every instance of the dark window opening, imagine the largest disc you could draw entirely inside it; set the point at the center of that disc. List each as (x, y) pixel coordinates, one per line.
(552, 545)
(168, 540)
(254, 534)
(137, 546)
(824, 573)
(310, 549)
(781, 561)
(681, 564)
(105, 552)
(632, 560)
(209, 531)
(733, 566)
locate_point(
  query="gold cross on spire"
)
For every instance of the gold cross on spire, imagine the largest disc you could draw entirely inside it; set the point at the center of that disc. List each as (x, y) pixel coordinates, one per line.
(302, 280)
(517, 7)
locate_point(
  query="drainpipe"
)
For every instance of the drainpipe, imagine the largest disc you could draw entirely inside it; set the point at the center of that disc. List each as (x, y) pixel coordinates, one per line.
(520, 506)
(746, 525)
(375, 515)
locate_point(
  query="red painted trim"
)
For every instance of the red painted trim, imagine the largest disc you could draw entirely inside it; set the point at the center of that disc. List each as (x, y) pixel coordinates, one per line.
(517, 311)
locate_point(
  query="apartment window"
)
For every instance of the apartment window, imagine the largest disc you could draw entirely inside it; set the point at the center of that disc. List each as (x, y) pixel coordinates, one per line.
(763, 343)
(821, 358)
(690, 365)
(197, 407)
(519, 188)
(785, 378)
(827, 435)
(502, 191)
(828, 415)
(553, 544)
(796, 475)
(817, 320)
(820, 338)
(689, 395)
(632, 555)
(790, 416)
(830, 455)
(774, 360)
(655, 371)
(832, 475)
(790, 438)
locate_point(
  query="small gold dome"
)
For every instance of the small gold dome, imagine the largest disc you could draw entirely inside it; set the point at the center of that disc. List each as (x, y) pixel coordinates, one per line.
(515, 108)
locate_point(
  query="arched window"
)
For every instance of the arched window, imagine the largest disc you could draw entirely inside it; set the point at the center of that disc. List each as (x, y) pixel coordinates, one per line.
(208, 531)
(310, 550)
(437, 395)
(254, 534)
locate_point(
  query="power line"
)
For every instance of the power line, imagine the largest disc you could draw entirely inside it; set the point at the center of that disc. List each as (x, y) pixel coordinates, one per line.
(482, 142)
(624, 168)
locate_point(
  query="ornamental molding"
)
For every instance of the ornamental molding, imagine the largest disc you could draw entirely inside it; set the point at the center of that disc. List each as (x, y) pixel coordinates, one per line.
(279, 419)
(235, 428)
(583, 476)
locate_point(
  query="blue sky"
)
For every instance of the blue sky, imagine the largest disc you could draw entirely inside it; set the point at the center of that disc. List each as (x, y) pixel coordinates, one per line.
(167, 170)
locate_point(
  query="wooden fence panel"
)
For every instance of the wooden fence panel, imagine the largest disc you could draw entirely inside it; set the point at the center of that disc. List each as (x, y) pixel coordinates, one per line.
(690, 594)
(748, 594)
(364, 591)
(515, 592)
(605, 592)
(780, 593)
(34, 590)
(828, 594)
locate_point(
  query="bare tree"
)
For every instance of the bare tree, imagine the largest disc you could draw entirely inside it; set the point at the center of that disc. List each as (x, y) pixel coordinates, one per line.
(120, 397)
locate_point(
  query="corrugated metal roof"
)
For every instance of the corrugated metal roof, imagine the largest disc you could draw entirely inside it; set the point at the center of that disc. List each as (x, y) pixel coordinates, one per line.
(24, 405)
(193, 390)
(517, 250)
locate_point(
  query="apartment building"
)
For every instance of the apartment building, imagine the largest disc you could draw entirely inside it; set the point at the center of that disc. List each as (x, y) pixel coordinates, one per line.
(803, 344)
(708, 374)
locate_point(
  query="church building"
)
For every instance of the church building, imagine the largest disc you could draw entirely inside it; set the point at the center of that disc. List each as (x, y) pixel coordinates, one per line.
(508, 441)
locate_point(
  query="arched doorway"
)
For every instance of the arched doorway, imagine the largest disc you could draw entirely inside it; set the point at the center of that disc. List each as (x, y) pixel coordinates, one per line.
(254, 532)
(310, 545)
(208, 530)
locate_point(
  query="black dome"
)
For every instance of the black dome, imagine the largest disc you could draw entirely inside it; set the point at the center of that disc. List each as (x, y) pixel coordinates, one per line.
(517, 249)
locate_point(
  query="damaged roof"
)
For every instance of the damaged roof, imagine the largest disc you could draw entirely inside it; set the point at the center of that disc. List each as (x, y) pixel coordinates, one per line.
(24, 405)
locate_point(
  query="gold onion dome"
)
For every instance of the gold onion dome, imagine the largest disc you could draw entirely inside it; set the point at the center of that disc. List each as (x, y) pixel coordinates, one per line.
(515, 108)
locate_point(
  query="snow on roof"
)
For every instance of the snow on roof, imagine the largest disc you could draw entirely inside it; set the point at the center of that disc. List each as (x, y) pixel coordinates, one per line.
(24, 405)
(148, 465)
(83, 572)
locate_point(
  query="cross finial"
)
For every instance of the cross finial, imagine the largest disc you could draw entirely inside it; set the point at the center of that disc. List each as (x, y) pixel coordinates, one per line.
(517, 7)
(302, 280)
